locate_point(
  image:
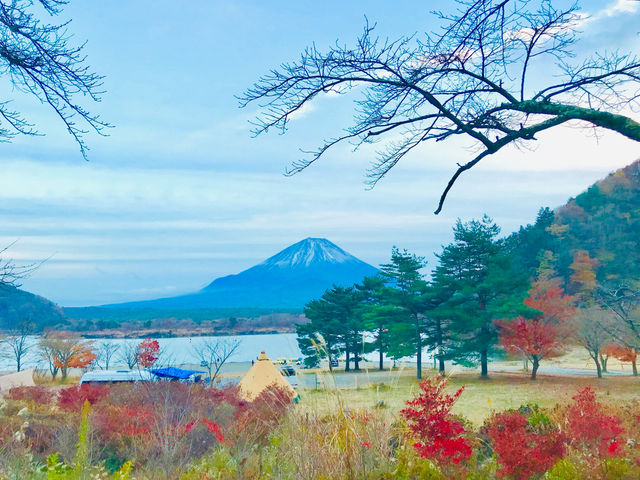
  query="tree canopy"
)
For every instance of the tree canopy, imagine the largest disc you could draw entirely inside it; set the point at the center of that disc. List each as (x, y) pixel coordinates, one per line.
(472, 79)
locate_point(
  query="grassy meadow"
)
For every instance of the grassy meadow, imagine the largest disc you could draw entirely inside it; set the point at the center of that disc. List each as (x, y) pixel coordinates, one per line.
(505, 389)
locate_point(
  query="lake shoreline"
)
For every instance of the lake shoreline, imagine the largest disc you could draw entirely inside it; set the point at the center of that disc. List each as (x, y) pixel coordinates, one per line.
(154, 333)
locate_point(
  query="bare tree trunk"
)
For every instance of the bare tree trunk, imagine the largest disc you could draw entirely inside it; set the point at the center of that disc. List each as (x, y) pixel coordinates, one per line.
(419, 359)
(598, 367)
(634, 366)
(603, 362)
(381, 365)
(484, 364)
(347, 367)
(534, 367)
(439, 347)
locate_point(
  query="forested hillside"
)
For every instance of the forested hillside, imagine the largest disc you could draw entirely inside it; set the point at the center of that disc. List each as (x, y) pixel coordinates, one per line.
(17, 306)
(605, 221)
(597, 231)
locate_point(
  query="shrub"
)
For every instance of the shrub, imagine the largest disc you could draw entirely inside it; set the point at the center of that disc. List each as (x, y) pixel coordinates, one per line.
(440, 433)
(73, 398)
(37, 394)
(589, 428)
(524, 448)
(256, 419)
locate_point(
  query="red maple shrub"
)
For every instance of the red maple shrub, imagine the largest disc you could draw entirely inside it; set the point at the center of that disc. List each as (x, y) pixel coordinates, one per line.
(589, 428)
(73, 398)
(441, 435)
(38, 394)
(254, 420)
(523, 449)
(120, 422)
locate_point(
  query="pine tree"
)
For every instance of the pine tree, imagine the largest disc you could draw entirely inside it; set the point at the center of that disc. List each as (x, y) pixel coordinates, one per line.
(407, 304)
(476, 273)
(334, 325)
(375, 315)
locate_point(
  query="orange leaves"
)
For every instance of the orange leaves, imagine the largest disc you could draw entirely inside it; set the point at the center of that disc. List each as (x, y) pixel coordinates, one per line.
(81, 356)
(553, 304)
(584, 274)
(624, 354)
(68, 351)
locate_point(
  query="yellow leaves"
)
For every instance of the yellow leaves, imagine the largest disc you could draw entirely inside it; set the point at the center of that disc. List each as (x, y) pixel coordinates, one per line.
(558, 230)
(584, 275)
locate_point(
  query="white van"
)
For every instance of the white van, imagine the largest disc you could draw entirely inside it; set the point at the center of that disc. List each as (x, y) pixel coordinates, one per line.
(116, 376)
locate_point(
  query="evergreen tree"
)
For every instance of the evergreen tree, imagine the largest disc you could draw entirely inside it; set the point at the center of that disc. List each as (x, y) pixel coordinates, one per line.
(476, 273)
(440, 291)
(407, 304)
(376, 315)
(334, 325)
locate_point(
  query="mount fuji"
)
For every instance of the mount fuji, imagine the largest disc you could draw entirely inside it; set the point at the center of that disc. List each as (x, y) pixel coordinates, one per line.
(288, 279)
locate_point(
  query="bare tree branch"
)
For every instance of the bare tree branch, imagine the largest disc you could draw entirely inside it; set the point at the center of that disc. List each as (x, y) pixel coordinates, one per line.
(213, 353)
(470, 80)
(39, 59)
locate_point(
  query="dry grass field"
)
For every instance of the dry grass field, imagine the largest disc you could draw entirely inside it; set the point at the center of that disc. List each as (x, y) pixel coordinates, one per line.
(505, 389)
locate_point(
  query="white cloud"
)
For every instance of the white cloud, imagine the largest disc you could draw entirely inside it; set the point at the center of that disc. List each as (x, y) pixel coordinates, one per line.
(619, 7)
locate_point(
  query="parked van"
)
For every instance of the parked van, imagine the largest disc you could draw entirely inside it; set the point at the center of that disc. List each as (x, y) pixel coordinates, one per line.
(117, 376)
(290, 374)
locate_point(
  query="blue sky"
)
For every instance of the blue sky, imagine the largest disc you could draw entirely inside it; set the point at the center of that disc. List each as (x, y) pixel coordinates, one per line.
(179, 193)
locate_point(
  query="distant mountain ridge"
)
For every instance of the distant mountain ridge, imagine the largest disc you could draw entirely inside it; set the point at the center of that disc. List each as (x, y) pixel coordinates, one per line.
(288, 279)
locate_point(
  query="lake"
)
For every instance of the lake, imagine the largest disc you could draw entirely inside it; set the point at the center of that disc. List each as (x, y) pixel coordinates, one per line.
(181, 349)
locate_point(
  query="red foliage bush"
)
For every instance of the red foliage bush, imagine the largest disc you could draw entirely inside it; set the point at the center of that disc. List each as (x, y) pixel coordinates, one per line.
(522, 452)
(37, 394)
(254, 420)
(429, 416)
(117, 422)
(589, 428)
(72, 398)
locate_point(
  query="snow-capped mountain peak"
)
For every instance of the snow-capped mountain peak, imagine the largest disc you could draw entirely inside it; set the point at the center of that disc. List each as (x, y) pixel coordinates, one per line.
(307, 252)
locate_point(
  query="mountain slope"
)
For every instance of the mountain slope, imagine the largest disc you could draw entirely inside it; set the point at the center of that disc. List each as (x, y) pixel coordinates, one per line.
(19, 306)
(289, 279)
(597, 232)
(605, 221)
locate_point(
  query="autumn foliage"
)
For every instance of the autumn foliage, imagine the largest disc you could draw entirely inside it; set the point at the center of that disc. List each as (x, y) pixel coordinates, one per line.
(72, 398)
(523, 448)
(81, 357)
(589, 428)
(624, 354)
(147, 352)
(441, 436)
(544, 334)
